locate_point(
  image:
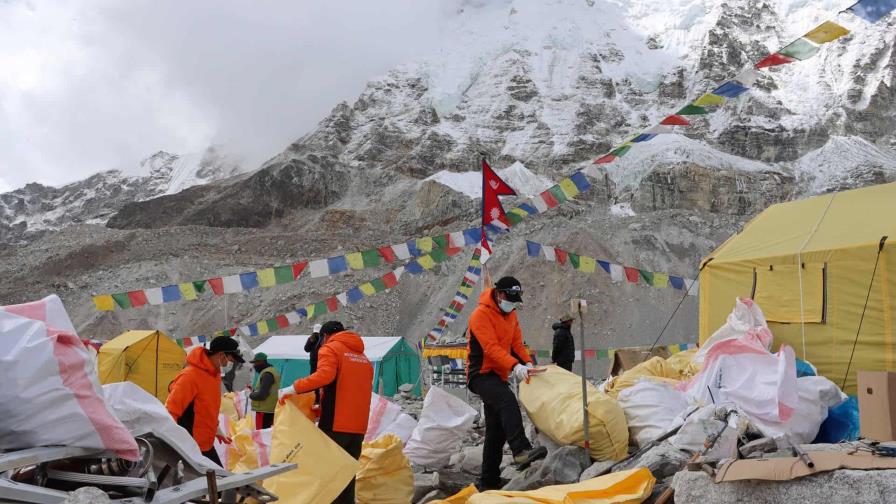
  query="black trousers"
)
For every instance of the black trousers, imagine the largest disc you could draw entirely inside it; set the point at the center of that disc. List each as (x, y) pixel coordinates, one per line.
(566, 365)
(213, 456)
(263, 420)
(351, 443)
(503, 423)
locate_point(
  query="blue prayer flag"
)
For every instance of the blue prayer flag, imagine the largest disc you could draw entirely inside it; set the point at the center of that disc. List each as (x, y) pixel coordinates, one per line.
(581, 181)
(354, 295)
(873, 10)
(676, 282)
(730, 89)
(249, 280)
(337, 264)
(170, 293)
(605, 265)
(533, 249)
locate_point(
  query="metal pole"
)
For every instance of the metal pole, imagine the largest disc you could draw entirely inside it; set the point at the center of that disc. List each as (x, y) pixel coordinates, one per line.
(584, 386)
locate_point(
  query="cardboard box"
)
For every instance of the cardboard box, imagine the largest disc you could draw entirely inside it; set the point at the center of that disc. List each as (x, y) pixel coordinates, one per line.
(877, 405)
(789, 468)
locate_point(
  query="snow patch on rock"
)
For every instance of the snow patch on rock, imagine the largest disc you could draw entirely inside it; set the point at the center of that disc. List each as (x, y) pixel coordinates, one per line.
(517, 176)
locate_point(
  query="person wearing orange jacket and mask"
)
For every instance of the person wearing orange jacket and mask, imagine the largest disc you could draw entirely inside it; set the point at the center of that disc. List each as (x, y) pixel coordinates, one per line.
(194, 396)
(345, 378)
(495, 350)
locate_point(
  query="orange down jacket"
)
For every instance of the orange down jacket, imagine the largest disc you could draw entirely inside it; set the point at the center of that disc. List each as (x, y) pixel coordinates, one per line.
(494, 340)
(346, 377)
(194, 398)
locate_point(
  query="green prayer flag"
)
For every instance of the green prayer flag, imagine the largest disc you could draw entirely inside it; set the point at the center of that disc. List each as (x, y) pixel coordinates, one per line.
(199, 285)
(378, 284)
(573, 259)
(438, 255)
(272, 324)
(800, 49)
(320, 308)
(371, 258)
(647, 276)
(122, 300)
(603, 353)
(179, 342)
(283, 275)
(692, 109)
(513, 218)
(620, 151)
(440, 242)
(558, 193)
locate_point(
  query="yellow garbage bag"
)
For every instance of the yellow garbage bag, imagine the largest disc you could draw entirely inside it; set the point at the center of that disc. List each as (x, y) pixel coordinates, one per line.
(324, 469)
(385, 475)
(228, 407)
(624, 487)
(553, 401)
(251, 448)
(683, 363)
(656, 368)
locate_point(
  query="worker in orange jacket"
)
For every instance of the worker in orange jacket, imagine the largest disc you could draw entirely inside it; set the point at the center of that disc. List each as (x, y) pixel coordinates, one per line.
(495, 350)
(345, 378)
(194, 396)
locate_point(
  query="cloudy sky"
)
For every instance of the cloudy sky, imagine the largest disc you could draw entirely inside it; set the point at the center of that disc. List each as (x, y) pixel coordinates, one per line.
(100, 84)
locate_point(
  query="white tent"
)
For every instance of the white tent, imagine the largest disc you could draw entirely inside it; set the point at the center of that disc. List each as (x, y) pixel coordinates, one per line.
(394, 362)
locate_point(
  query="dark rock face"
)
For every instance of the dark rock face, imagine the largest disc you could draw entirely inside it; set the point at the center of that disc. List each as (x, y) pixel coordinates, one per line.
(688, 186)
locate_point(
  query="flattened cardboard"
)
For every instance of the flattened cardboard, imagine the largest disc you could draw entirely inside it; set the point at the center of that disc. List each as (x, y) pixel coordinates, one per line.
(623, 360)
(790, 468)
(877, 405)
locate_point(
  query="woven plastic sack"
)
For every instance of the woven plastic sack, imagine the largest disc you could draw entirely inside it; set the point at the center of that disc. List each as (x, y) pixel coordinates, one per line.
(816, 395)
(51, 394)
(745, 318)
(386, 417)
(250, 448)
(553, 401)
(385, 475)
(444, 421)
(682, 363)
(651, 409)
(324, 468)
(623, 487)
(655, 368)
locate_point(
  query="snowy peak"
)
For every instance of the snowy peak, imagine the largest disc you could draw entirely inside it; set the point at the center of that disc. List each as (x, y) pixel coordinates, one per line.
(521, 179)
(845, 162)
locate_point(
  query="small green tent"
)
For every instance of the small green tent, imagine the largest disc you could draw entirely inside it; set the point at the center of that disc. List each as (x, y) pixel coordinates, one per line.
(394, 361)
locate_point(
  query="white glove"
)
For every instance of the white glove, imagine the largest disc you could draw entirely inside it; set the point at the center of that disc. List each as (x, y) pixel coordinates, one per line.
(287, 391)
(521, 372)
(530, 365)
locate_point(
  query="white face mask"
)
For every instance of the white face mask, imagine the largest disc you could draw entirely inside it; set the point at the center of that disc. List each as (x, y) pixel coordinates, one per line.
(507, 306)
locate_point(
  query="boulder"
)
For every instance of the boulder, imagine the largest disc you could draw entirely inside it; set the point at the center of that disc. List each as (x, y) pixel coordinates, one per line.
(472, 460)
(598, 468)
(542, 440)
(451, 482)
(407, 388)
(847, 485)
(425, 484)
(564, 465)
(663, 460)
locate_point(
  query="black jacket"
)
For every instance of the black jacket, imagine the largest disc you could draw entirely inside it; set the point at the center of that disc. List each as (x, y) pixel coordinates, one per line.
(564, 347)
(312, 345)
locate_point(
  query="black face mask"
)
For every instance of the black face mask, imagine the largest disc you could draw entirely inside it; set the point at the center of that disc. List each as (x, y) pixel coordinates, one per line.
(259, 366)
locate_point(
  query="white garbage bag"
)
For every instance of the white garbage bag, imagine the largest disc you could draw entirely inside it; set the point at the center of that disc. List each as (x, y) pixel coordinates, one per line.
(817, 394)
(746, 318)
(741, 372)
(444, 422)
(51, 394)
(142, 413)
(651, 409)
(387, 417)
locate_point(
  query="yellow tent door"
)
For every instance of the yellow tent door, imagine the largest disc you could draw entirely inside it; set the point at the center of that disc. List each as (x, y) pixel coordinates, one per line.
(149, 359)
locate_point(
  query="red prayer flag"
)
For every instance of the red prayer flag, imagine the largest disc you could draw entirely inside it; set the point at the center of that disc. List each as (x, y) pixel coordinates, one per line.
(332, 303)
(632, 274)
(675, 120)
(389, 280)
(774, 60)
(549, 199)
(217, 285)
(387, 253)
(232, 331)
(137, 298)
(188, 342)
(561, 255)
(492, 211)
(298, 268)
(282, 321)
(609, 158)
(590, 354)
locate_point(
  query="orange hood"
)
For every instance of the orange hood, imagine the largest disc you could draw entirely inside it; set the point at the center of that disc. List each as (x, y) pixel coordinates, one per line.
(348, 338)
(199, 358)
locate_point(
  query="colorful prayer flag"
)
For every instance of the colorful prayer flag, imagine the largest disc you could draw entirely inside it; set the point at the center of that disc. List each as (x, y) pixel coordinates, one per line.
(122, 300)
(549, 253)
(800, 49)
(587, 264)
(604, 265)
(617, 272)
(170, 293)
(579, 179)
(355, 261)
(232, 284)
(632, 274)
(644, 137)
(675, 120)
(873, 10)
(549, 199)
(284, 274)
(387, 254)
(660, 280)
(730, 89)
(561, 255)
(647, 276)
(574, 260)
(354, 295)
(337, 264)
(367, 289)
(332, 303)
(569, 188)
(608, 158)
(266, 277)
(676, 282)
(217, 285)
(389, 280)
(104, 302)
(692, 109)
(199, 285)
(710, 100)
(154, 295)
(774, 60)
(826, 32)
(621, 150)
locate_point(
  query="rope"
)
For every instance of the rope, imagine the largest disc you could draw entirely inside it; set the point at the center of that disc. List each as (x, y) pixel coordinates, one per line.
(880, 249)
(685, 296)
(799, 269)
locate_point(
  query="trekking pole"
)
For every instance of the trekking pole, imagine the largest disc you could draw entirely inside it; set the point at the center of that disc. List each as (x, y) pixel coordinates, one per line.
(587, 443)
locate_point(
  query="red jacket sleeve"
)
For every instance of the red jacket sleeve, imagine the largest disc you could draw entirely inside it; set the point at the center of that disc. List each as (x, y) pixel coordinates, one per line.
(484, 332)
(327, 365)
(517, 344)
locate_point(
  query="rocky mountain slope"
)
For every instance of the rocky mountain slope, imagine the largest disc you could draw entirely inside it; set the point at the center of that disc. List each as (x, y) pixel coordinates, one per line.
(34, 210)
(551, 85)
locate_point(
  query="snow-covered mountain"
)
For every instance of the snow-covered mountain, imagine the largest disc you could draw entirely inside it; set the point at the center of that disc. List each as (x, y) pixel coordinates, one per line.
(517, 176)
(30, 211)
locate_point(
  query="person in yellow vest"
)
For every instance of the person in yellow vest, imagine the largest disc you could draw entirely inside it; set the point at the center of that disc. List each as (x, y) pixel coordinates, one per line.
(264, 391)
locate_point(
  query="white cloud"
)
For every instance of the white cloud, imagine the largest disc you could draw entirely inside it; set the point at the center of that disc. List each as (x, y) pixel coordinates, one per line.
(89, 85)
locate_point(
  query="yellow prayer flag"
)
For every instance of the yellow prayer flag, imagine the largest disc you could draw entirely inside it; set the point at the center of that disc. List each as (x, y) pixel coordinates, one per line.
(425, 244)
(660, 280)
(826, 32)
(187, 291)
(266, 277)
(709, 99)
(427, 262)
(262, 327)
(104, 302)
(518, 211)
(569, 188)
(368, 289)
(310, 310)
(466, 291)
(355, 260)
(587, 264)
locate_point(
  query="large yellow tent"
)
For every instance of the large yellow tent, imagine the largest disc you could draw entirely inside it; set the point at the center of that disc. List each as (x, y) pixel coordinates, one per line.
(809, 264)
(148, 358)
